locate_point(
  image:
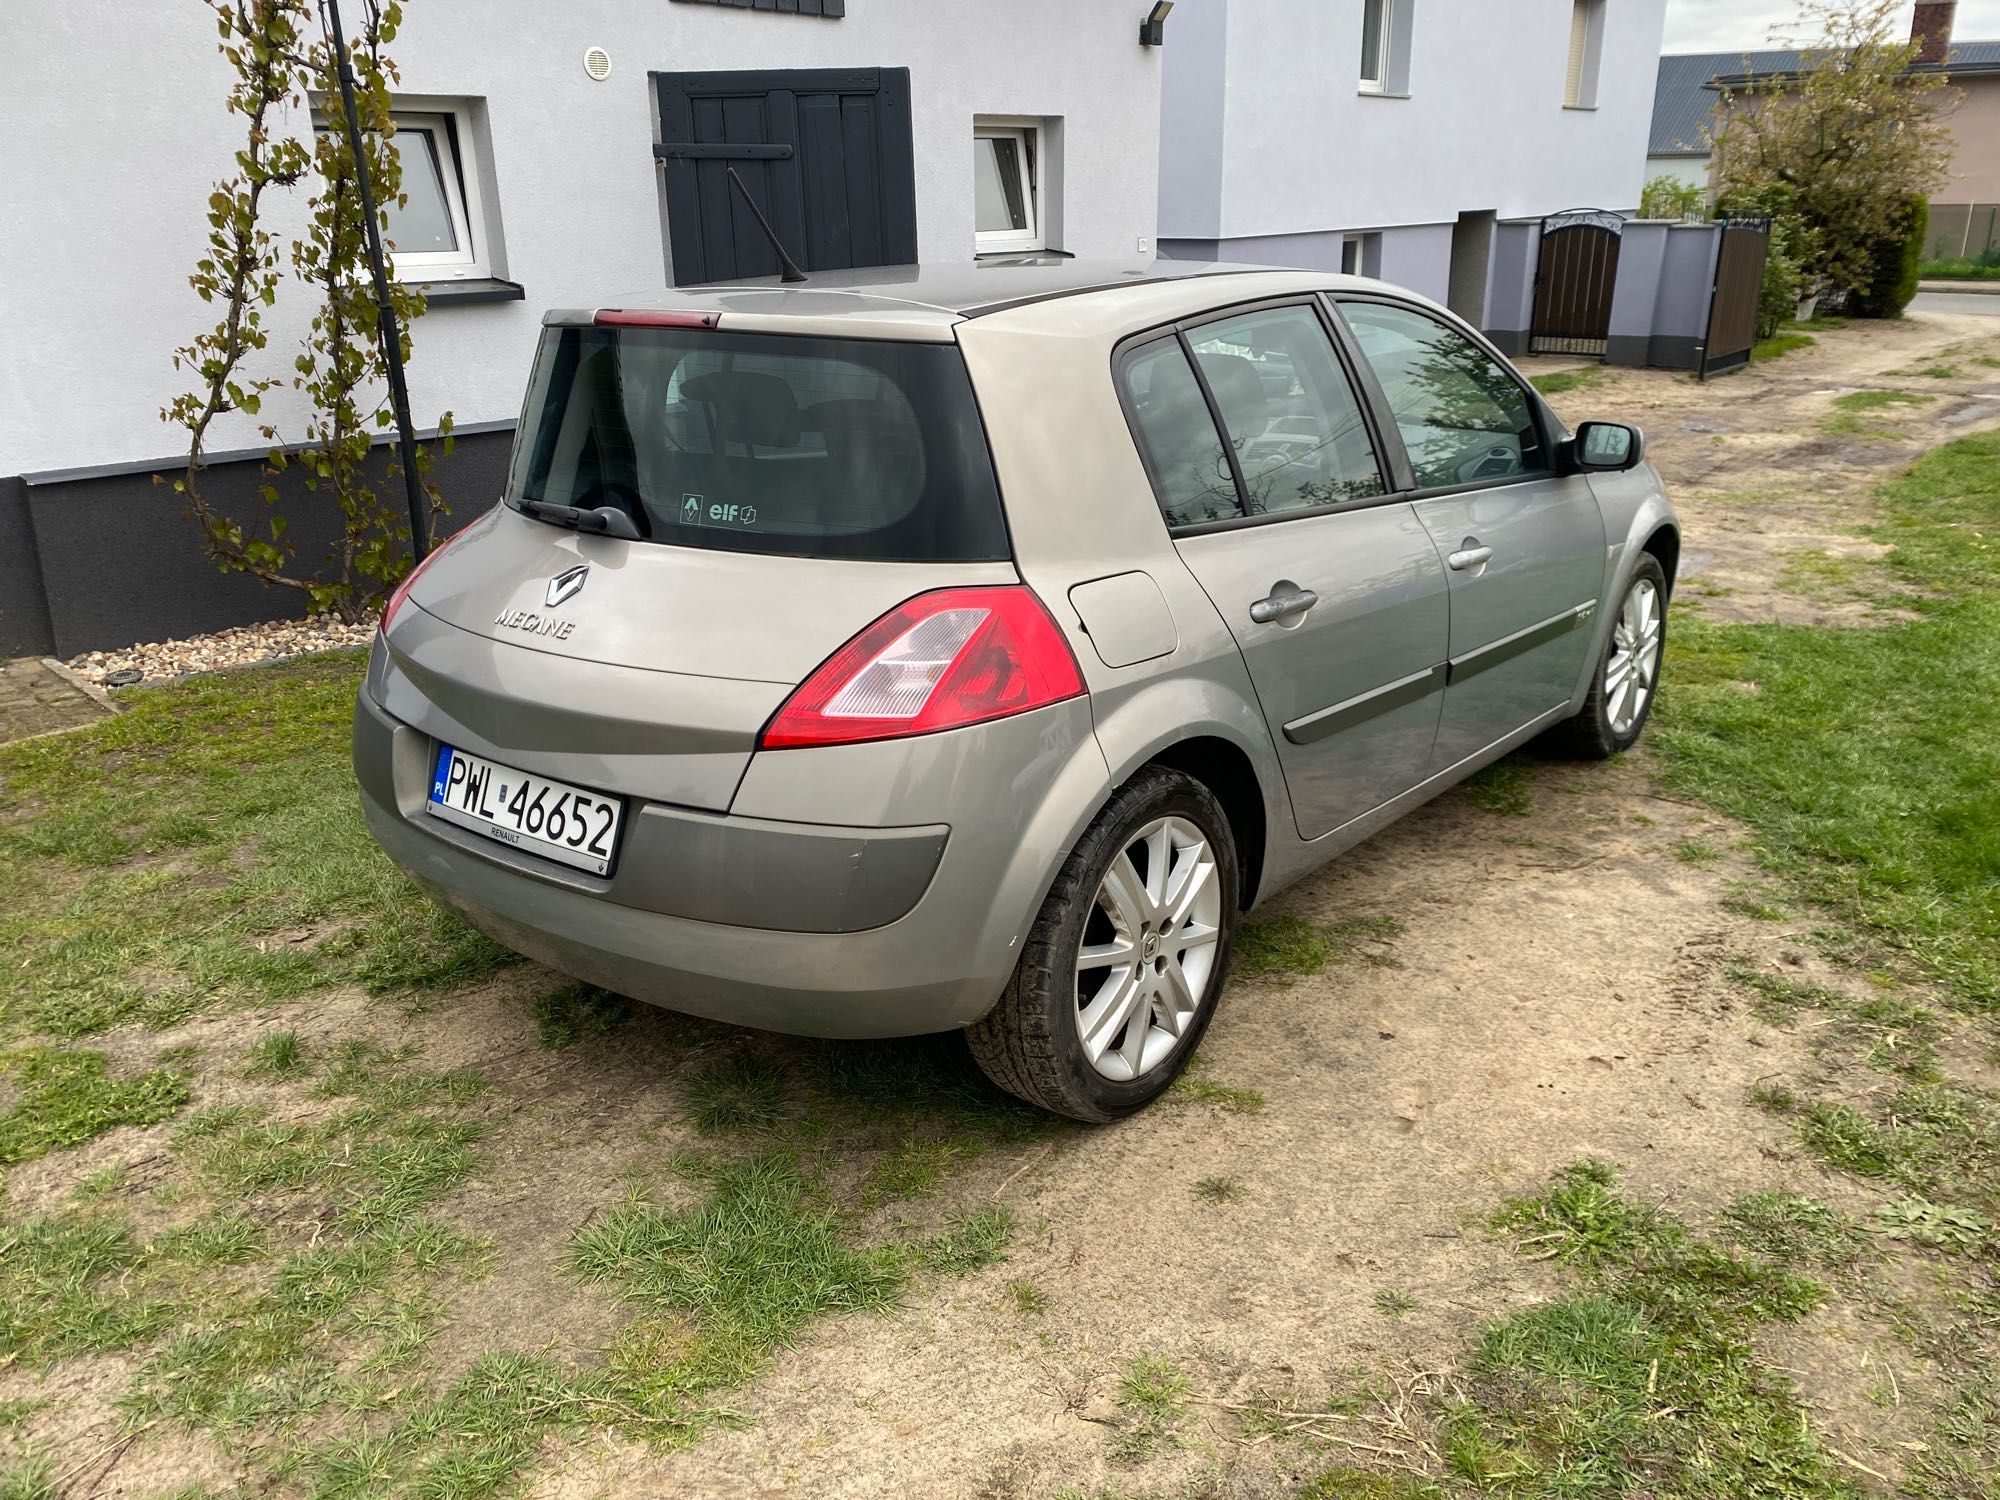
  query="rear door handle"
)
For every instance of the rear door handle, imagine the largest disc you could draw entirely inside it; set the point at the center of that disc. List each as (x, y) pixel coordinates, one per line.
(1286, 599)
(1471, 557)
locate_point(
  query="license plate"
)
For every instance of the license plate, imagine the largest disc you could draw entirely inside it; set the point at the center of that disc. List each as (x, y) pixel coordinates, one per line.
(532, 813)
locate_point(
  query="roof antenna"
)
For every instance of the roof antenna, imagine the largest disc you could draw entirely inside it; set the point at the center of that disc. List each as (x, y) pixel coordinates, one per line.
(791, 272)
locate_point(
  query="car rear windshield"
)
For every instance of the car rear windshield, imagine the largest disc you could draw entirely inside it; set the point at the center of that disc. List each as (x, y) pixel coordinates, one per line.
(802, 447)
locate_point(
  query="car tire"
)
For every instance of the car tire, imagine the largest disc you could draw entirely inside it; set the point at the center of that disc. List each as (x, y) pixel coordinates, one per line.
(1050, 1039)
(1609, 723)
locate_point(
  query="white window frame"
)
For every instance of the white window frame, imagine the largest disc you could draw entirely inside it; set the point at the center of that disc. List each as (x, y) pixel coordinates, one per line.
(1028, 138)
(450, 125)
(452, 131)
(1355, 250)
(1585, 58)
(1385, 42)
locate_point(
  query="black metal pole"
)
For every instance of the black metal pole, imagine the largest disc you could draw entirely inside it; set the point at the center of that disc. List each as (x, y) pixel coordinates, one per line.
(390, 332)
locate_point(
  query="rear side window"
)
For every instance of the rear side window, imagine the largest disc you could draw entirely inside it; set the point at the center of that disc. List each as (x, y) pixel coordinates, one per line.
(1191, 473)
(1292, 417)
(802, 447)
(1463, 418)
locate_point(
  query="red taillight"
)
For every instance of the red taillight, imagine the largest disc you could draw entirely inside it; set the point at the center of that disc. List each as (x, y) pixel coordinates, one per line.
(409, 580)
(939, 661)
(619, 317)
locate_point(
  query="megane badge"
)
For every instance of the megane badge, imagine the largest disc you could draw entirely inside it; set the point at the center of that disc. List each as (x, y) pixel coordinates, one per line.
(566, 586)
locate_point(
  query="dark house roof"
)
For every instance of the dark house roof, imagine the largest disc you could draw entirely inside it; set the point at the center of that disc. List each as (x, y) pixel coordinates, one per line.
(1684, 96)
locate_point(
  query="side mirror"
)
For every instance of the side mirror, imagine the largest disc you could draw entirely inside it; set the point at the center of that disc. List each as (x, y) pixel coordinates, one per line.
(1607, 448)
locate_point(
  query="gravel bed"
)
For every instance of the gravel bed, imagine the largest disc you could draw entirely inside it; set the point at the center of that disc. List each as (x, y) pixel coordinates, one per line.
(246, 646)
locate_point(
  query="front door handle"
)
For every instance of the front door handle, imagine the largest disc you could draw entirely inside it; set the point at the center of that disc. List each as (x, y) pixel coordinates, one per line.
(1469, 557)
(1286, 599)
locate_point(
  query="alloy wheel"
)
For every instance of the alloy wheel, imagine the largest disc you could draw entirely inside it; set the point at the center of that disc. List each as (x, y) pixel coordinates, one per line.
(1148, 949)
(1633, 671)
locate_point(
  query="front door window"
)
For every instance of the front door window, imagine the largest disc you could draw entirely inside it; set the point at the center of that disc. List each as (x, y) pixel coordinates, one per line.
(1463, 418)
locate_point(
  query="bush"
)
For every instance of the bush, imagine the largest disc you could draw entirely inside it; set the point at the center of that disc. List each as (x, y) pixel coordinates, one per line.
(1784, 278)
(1671, 198)
(1899, 261)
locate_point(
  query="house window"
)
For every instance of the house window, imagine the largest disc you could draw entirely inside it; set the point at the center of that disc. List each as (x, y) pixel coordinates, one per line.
(1361, 255)
(1378, 19)
(1006, 187)
(1586, 47)
(440, 233)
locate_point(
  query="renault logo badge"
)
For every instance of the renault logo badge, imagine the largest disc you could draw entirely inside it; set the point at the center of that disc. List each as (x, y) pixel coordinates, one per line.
(566, 586)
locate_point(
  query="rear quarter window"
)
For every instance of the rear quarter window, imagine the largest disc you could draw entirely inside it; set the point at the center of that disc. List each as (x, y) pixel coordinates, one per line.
(810, 447)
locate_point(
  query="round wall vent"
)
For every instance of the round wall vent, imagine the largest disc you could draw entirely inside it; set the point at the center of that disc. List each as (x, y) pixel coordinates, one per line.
(597, 63)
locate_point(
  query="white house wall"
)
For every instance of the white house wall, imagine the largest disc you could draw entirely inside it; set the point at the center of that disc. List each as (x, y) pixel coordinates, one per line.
(1692, 170)
(1306, 153)
(113, 131)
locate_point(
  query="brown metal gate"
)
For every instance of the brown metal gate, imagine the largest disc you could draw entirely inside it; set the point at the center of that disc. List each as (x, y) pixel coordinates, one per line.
(1575, 276)
(1739, 286)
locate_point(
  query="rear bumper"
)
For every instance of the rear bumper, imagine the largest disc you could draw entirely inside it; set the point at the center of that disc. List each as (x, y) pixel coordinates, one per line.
(835, 932)
(672, 861)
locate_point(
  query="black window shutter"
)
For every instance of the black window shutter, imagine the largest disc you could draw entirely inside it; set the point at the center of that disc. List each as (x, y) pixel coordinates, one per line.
(831, 8)
(828, 153)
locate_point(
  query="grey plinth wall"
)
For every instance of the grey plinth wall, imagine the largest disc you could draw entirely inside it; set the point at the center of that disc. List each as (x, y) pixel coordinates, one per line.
(1510, 287)
(1659, 312)
(92, 560)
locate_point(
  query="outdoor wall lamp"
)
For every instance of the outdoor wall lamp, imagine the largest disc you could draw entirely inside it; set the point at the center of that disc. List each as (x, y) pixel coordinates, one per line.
(1153, 30)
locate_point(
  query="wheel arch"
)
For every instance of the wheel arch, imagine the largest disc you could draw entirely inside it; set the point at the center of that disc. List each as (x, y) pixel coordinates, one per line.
(1223, 767)
(1665, 546)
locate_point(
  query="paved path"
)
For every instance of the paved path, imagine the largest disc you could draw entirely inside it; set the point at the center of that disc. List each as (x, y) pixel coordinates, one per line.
(1983, 303)
(38, 696)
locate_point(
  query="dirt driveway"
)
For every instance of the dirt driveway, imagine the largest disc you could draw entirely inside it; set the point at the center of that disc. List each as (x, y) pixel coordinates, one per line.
(1555, 989)
(1771, 467)
(1532, 970)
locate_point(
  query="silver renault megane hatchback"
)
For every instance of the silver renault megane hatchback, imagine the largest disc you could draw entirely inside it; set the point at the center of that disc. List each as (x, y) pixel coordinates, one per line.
(971, 647)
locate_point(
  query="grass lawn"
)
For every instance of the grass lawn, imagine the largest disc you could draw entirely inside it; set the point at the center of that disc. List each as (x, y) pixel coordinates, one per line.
(1792, 337)
(1983, 269)
(186, 890)
(1561, 382)
(183, 889)
(1867, 762)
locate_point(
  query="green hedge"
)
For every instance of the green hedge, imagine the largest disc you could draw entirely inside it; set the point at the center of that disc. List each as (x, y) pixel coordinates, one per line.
(1898, 264)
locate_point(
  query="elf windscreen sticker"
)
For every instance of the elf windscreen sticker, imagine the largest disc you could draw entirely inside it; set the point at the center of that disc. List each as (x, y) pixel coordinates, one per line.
(699, 510)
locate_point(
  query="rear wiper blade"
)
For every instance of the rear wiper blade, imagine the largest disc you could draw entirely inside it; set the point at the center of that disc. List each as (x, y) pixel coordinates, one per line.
(605, 520)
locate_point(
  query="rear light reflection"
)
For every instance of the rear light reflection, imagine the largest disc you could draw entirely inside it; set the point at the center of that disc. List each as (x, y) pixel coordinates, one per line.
(619, 317)
(410, 578)
(942, 660)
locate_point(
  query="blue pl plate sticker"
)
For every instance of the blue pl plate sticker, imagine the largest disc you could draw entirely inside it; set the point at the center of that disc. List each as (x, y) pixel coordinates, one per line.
(441, 774)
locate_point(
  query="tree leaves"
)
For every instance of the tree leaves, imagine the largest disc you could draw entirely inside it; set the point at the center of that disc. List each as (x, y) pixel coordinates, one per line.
(281, 61)
(1843, 145)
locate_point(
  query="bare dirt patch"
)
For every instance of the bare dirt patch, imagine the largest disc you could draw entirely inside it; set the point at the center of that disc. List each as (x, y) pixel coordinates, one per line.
(1557, 993)
(1763, 473)
(1557, 986)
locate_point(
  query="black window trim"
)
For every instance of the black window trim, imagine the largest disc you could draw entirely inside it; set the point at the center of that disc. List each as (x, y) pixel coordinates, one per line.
(511, 500)
(1367, 396)
(1538, 409)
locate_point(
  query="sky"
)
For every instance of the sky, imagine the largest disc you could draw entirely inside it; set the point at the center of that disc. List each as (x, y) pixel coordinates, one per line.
(1733, 25)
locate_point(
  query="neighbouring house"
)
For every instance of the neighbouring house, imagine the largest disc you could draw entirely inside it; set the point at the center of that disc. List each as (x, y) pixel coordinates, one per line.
(1415, 142)
(565, 153)
(1965, 213)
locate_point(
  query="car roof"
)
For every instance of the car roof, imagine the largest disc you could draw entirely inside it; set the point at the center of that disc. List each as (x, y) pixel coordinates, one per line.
(927, 302)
